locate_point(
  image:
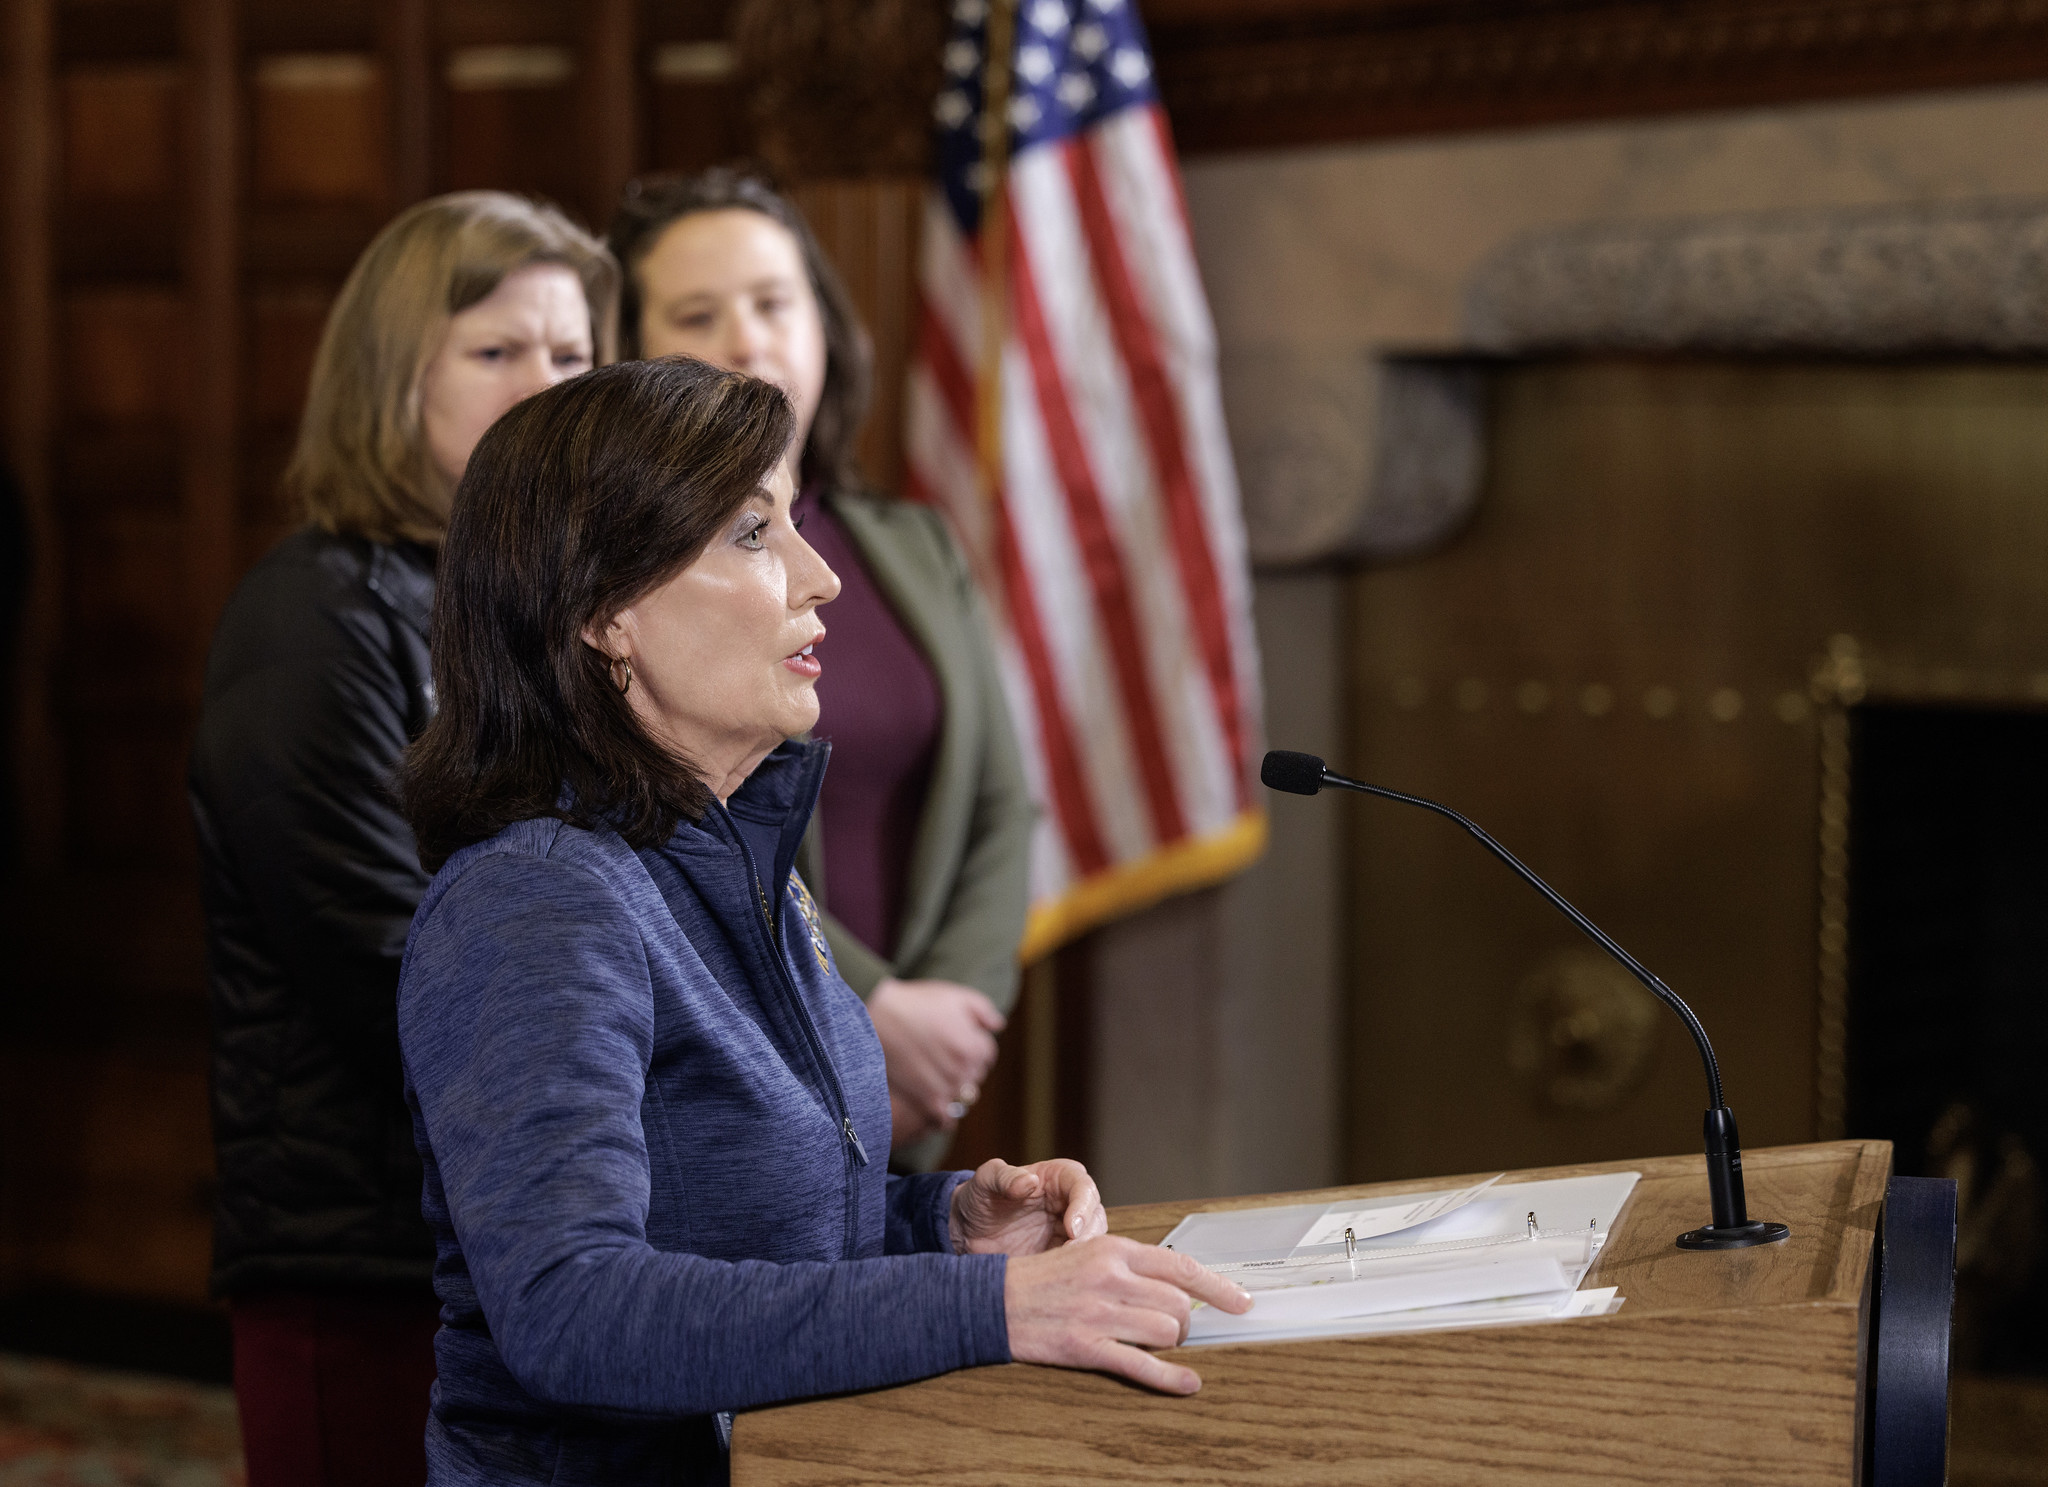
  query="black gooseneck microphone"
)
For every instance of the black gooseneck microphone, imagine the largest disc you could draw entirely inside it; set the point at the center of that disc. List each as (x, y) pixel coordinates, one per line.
(1732, 1228)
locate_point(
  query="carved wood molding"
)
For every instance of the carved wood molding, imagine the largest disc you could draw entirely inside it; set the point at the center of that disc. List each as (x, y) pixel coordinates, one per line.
(840, 88)
(1242, 74)
(844, 87)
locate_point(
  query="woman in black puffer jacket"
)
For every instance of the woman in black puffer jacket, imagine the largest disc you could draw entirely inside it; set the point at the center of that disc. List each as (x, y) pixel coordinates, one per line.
(317, 680)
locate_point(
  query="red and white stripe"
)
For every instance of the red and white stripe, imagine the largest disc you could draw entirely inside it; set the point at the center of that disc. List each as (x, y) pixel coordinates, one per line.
(1114, 551)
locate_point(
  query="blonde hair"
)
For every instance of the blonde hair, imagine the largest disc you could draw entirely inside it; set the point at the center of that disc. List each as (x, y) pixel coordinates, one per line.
(361, 464)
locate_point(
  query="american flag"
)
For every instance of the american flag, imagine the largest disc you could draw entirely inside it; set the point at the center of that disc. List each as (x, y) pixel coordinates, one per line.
(1085, 462)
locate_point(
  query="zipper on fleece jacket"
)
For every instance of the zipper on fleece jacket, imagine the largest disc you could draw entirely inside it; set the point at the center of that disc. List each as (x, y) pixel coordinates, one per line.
(855, 1153)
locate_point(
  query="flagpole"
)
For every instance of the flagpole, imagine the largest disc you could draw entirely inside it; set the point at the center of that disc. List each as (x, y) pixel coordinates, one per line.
(995, 245)
(1038, 1008)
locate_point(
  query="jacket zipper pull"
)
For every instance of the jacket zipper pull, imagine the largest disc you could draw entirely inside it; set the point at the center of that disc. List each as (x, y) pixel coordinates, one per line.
(860, 1152)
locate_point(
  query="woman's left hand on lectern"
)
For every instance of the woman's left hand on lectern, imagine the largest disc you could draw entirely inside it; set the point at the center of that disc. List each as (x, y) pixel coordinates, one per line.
(1006, 1210)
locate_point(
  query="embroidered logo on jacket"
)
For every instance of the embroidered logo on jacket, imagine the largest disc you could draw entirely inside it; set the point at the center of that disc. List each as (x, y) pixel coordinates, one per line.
(812, 922)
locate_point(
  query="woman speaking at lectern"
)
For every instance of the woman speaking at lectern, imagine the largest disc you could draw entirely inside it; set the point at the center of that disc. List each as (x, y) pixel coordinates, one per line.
(653, 1117)
(920, 850)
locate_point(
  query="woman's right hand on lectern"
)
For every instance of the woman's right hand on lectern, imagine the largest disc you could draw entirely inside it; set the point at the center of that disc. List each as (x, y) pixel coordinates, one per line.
(1100, 1303)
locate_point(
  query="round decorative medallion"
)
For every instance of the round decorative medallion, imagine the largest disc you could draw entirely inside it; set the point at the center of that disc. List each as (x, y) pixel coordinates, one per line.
(1583, 1032)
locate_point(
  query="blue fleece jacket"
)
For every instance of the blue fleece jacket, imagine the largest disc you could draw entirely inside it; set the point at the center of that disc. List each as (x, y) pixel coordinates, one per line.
(655, 1126)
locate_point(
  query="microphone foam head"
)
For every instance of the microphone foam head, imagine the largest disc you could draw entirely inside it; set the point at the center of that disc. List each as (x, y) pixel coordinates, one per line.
(1297, 774)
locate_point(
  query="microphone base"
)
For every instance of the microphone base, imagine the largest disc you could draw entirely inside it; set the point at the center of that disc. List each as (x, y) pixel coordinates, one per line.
(1734, 1236)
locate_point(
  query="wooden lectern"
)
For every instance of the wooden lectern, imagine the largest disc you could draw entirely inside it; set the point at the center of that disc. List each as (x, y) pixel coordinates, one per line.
(1743, 1366)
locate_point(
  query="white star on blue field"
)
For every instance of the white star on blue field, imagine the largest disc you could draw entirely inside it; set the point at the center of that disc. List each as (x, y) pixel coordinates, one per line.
(1077, 62)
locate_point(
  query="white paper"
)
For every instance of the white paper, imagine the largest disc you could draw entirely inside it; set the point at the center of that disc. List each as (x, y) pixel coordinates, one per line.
(1601, 1301)
(1449, 1281)
(1560, 1204)
(1320, 1271)
(1263, 1235)
(1370, 1222)
(1446, 1258)
(1518, 1312)
(1244, 1234)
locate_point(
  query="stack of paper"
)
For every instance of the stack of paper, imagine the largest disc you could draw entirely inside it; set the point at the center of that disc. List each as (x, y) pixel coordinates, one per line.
(1486, 1255)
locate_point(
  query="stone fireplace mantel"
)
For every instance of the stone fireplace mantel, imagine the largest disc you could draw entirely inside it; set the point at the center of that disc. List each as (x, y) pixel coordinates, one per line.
(1365, 454)
(1937, 278)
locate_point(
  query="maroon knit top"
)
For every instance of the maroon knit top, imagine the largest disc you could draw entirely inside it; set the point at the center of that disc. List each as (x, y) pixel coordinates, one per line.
(878, 702)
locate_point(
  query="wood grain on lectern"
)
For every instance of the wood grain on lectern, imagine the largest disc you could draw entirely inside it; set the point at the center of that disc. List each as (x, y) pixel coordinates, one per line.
(1737, 1367)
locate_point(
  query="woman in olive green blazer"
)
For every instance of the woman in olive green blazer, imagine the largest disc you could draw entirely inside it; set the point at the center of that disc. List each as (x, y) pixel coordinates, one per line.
(723, 268)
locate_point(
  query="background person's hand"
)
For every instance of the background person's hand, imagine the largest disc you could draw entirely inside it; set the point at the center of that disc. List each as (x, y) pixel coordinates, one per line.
(1006, 1210)
(1100, 1303)
(939, 1040)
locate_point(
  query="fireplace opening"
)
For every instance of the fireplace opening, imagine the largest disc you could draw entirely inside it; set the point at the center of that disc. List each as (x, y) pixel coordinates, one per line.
(1947, 1048)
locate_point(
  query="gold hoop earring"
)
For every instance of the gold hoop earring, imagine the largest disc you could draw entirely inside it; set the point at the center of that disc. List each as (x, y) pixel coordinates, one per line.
(623, 681)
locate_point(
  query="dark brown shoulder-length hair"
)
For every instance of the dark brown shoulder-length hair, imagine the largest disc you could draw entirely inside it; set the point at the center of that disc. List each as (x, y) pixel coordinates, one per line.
(576, 503)
(652, 203)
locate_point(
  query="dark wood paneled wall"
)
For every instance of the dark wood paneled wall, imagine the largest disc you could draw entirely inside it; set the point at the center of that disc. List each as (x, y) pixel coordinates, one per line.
(186, 185)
